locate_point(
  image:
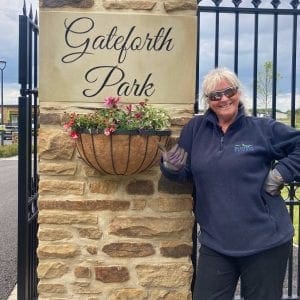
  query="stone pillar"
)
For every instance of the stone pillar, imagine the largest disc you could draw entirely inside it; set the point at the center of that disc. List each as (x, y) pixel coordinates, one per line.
(103, 236)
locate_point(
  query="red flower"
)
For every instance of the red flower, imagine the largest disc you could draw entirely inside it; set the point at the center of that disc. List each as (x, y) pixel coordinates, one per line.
(74, 135)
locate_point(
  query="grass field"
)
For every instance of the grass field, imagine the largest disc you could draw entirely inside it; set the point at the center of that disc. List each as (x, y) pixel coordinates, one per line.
(288, 119)
(294, 211)
(8, 150)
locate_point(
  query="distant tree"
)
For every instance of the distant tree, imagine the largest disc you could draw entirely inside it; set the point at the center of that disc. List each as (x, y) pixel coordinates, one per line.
(264, 84)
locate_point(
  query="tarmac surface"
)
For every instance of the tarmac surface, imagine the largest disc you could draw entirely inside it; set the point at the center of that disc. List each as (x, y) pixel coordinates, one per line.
(8, 225)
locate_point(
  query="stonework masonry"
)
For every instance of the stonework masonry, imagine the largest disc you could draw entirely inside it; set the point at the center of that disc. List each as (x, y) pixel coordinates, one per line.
(104, 236)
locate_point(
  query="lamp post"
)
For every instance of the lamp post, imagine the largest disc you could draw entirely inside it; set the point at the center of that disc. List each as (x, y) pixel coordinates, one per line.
(2, 67)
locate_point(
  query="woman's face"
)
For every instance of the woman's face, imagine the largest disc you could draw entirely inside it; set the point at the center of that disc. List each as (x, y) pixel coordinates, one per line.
(226, 108)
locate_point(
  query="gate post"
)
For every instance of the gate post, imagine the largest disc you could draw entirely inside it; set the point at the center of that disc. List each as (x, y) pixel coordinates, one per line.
(108, 236)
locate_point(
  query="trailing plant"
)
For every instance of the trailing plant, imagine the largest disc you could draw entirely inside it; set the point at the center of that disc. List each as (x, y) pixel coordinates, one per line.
(116, 117)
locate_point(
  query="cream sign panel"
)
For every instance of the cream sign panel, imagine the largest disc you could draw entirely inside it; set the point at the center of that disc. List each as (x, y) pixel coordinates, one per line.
(85, 57)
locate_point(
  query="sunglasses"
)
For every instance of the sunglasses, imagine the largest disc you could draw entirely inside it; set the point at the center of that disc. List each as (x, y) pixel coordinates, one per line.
(217, 95)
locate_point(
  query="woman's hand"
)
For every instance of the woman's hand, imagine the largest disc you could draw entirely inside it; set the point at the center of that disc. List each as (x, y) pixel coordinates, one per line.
(273, 183)
(174, 159)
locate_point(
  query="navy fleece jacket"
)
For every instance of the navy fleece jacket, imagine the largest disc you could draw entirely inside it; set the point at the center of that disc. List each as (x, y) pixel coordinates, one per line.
(236, 216)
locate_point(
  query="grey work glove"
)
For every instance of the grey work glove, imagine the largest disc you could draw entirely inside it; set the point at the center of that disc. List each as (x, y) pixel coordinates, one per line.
(174, 159)
(273, 183)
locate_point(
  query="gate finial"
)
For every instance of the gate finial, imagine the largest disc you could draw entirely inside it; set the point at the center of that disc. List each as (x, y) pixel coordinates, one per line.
(236, 2)
(30, 12)
(217, 2)
(275, 3)
(256, 3)
(36, 21)
(295, 3)
(24, 8)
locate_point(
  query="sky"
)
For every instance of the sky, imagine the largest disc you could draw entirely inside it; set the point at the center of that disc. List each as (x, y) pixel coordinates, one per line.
(246, 38)
(10, 9)
(9, 24)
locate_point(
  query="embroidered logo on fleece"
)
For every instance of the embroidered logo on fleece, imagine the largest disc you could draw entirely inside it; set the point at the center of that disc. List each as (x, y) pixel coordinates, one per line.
(243, 148)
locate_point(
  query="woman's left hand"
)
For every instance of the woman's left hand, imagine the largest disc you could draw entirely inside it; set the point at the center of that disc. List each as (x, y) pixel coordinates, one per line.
(273, 183)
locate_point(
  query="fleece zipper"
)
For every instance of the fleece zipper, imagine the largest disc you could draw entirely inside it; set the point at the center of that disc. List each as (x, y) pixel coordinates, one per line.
(221, 143)
(221, 133)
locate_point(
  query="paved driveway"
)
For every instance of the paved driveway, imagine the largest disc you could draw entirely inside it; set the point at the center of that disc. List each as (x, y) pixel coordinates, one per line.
(8, 226)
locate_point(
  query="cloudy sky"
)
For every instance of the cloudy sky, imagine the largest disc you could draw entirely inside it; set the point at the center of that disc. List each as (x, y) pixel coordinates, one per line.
(9, 18)
(246, 38)
(10, 9)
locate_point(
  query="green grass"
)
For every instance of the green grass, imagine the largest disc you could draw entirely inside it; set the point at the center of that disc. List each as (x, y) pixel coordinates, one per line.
(294, 212)
(8, 150)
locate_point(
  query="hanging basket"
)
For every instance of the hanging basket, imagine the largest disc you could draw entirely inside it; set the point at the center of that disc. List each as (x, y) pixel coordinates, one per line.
(122, 153)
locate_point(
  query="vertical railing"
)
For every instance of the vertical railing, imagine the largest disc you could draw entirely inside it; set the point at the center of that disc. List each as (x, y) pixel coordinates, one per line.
(255, 59)
(294, 65)
(274, 60)
(292, 200)
(27, 165)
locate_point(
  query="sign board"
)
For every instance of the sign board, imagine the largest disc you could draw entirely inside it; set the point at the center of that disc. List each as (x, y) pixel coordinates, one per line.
(85, 57)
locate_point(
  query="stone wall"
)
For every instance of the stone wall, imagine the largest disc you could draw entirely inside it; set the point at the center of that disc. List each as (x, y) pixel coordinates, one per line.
(110, 237)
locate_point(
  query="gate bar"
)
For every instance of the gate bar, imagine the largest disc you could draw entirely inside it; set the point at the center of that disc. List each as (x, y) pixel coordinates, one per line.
(274, 76)
(293, 78)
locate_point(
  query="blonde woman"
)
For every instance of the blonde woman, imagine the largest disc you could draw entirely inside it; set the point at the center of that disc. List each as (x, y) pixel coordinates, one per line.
(246, 230)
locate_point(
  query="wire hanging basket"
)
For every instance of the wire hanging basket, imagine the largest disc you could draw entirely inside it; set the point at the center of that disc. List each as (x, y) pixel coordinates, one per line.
(123, 152)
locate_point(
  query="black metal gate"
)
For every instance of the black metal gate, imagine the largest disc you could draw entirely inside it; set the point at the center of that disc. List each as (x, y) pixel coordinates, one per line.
(220, 13)
(236, 11)
(27, 166)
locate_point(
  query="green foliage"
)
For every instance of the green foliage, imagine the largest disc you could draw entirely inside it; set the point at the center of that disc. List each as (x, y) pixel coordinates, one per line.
(8, 150)
(287, 121)
(114, 117)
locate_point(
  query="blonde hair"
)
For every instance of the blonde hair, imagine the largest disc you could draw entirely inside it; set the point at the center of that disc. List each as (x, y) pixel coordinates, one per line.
(212, 78)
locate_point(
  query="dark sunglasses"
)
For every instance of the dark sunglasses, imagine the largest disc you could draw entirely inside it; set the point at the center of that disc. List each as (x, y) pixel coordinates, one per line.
(217, 95)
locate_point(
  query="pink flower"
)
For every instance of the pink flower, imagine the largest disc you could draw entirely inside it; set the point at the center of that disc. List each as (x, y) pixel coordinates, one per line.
(106, 131)
(74, 135)
(138, 115)
(111, 101)
(109, 130)
(129, 107)
(69, 124)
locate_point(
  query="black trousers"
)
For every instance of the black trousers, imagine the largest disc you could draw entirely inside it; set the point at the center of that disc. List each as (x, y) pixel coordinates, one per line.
(261, 275)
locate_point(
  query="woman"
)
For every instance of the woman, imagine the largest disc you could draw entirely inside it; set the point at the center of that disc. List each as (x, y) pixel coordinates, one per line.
(245, 228)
